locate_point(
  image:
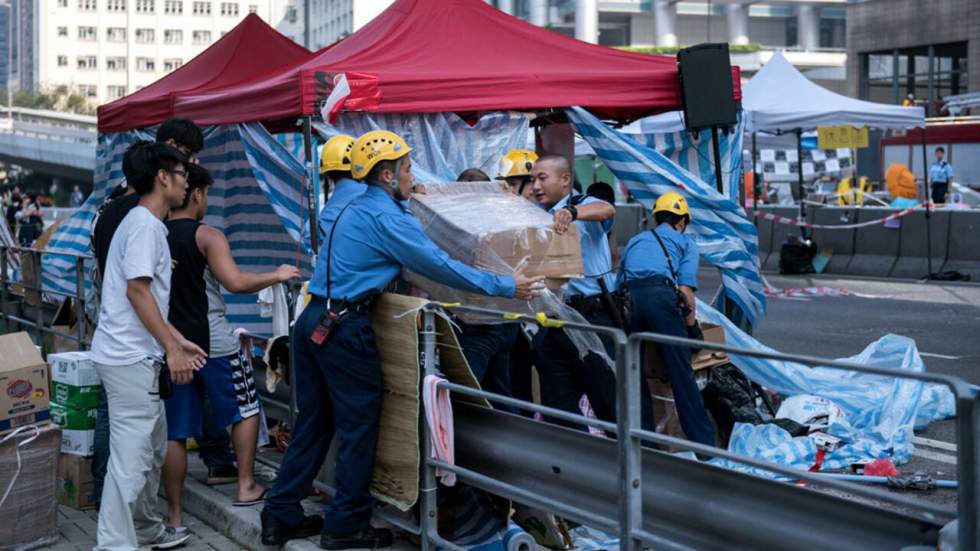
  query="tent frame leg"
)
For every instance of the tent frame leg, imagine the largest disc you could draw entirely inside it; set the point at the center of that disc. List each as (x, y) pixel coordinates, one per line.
(310, 183)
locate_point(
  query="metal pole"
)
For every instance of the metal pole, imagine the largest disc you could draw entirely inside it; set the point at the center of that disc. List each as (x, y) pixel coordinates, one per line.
(967, 421)
(36, 259)
(799, 179)
(310, 184)
(629, 377)
(708, 30)
(428, 521)
(3, 287)
(925, 185)
(80, 301)
(716, 149)
(756, 184)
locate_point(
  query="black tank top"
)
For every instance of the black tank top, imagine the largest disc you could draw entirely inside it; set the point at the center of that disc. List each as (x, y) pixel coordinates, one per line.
(188, 294)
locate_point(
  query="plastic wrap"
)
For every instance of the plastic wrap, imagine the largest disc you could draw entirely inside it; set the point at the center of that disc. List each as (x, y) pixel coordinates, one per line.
(28, 483)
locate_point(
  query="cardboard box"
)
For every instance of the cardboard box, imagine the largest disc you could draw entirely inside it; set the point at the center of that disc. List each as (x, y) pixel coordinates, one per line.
(69, 418)
(28, 518)
(78, 442)
(75, 486)
(74, 381)
(24, 395)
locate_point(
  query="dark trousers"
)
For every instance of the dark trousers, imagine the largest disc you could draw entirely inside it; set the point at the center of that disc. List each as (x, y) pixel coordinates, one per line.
(939, 191)
(565, 376)
(338, 391)
(521, 361)
(655, 311)
(487, 350)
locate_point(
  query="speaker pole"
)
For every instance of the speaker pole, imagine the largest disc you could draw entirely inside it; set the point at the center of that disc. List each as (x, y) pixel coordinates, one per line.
(928, 197)
(799, 178)
(756, 184)
(716, 149)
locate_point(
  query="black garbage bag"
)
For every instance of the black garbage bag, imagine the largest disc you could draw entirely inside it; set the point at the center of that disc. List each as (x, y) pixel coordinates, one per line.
(796, 256)
(730, 398)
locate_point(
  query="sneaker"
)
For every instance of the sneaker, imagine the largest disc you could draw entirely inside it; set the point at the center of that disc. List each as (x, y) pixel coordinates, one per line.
(369, 538)
(170, 538)
(277, 532)
(222, 474)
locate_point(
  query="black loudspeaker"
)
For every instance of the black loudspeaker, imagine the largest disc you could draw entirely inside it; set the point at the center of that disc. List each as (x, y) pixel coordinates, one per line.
(706, 84)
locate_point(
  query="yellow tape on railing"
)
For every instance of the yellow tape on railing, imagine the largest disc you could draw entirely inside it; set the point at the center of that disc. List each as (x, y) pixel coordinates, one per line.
(545, 321)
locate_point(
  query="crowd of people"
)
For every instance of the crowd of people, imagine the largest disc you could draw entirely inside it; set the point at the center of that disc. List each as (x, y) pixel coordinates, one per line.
(172, 369)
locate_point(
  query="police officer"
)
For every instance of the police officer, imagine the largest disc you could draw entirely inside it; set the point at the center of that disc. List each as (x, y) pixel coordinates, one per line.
(338, 369)
(564, 374)
(335, 170)
(515, 169)
(941, 176)
(660, 269)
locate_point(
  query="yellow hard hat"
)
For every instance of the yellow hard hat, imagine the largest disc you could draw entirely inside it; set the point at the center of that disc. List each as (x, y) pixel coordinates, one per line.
(336, 154)
(374, 146)
(517, 162)
(672, 202)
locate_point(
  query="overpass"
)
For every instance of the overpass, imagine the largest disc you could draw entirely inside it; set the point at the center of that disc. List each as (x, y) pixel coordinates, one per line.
(49, 142)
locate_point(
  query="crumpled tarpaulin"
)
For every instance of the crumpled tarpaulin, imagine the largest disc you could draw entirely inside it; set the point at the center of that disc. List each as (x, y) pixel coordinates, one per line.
(881, 411)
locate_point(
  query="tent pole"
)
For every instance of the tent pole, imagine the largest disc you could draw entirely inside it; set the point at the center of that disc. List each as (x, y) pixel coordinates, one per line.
(728, 306)
(928, 197)
(310, 183)
(799, 178)
(756, 184)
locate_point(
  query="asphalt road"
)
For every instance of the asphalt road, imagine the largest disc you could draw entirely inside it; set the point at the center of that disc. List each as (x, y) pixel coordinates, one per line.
(943, 318)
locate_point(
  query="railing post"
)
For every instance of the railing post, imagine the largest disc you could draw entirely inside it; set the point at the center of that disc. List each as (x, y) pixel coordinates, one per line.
(4, 275)
(627, 421)
(428, 521)
(38, 329)
(80, 318)
(967, 421)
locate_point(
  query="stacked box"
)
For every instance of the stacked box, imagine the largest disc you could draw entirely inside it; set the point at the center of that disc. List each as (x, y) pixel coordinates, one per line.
(75, 389)
(75, 486)
(24, 380)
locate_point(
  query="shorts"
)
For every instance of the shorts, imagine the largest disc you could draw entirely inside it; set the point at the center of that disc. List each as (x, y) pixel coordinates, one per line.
(230, 387)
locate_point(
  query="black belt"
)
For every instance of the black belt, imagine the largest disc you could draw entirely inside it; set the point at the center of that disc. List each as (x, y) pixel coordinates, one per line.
(652, 281)
(359, 306)
(586, 305)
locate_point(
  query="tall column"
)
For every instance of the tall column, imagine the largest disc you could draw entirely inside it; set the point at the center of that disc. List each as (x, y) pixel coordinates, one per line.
(506, 6)
(587, 20)
(539, 12)
(807, 27)
(738, 23)
(665, 15)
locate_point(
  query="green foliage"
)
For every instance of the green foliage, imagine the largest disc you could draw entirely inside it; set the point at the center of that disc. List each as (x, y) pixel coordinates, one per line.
(672, 50)
(59, 98)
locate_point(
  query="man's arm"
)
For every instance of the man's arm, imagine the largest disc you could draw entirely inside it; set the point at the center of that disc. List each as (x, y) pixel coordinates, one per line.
(214, 246)
(592, 211)
(689, 295)
(183, 357)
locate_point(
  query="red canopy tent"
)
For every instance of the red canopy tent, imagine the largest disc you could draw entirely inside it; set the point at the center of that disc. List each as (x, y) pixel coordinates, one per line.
(251, 49)
(450, 55)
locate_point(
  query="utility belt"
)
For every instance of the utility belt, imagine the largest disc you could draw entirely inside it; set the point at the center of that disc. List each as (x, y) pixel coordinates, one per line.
(334, 313)
(589, 306)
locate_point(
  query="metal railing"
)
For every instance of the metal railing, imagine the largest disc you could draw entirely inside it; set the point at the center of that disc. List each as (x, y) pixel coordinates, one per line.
(36, 292)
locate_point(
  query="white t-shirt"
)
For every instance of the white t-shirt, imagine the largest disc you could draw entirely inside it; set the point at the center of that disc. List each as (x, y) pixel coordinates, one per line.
(138, 249)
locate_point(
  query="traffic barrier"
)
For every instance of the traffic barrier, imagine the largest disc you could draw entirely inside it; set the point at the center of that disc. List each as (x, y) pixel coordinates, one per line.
(913, 261)
(764, 229)
(779, 234)
(964, 252)
(841, 242)
(876, 246)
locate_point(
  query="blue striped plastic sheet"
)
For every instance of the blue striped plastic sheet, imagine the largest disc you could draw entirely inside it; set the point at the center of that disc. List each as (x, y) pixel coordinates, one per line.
(443, 144)
(725, 235)
(256, 200)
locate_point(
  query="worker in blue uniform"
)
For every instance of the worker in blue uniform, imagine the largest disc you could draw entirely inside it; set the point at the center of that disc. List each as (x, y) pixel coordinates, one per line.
(660, 267)
(335, 175)
(564, 374)
(338, 368)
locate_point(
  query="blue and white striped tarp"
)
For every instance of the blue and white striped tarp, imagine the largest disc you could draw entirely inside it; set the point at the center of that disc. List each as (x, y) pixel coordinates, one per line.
(256, 200)
(724, 234)
(443, 144)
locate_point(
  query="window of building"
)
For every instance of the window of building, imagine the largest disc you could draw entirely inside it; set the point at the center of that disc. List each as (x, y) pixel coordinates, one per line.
(202, 8)
(62, 61)
(889, 76)
(116, 5)
(62, 3)
(145, 6)
(116, 34)
(202, 37)
(253, 8)
(87, 34)
(145, 64)
(87, 90)
(173, 7)
(87, 5)
(115, 63)
(62, 31)
(291, 14)
(173, 36)
(115, 92)
(145, 36)
(229, 9)
(87, 62)
(171, 64)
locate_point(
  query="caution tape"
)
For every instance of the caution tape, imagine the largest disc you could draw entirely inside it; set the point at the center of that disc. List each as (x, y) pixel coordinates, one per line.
(796, 222)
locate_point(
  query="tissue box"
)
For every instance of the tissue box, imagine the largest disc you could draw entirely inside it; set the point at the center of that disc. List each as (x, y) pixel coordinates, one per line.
(74, 381)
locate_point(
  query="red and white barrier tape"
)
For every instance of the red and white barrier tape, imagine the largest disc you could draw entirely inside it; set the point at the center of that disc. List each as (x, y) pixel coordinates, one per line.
(796, 222)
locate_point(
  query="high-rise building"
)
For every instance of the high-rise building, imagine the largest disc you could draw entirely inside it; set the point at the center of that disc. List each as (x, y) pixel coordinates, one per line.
(5, 33)
(331, 20)
(105, 49)
(19, 43)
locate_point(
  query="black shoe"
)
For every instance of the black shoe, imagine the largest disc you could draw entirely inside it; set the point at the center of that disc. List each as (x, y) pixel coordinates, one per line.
(277, 532)
(369, 538)
(222, 474)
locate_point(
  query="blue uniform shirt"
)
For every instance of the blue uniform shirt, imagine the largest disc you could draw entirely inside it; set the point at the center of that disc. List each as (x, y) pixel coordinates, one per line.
(941, 172)
(375, 238)
(644, 258)
(596, 258)
(344, 191)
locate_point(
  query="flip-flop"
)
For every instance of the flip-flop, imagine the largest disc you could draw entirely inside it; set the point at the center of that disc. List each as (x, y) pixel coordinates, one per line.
(255, 501)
